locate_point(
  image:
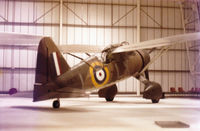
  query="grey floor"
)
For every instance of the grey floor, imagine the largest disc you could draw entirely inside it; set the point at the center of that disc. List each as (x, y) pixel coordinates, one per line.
(93, 113)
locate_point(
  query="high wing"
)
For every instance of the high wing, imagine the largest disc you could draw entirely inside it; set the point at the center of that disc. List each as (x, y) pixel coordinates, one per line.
(31, 42)
(8, 40)
(80, 48)
(26, 41)
(166, 41)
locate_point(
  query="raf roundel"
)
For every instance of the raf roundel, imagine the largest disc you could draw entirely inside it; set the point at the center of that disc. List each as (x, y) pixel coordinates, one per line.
(99, 74)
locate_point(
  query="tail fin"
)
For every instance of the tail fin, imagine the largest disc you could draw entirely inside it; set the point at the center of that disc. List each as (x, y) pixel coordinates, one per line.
(50, 64)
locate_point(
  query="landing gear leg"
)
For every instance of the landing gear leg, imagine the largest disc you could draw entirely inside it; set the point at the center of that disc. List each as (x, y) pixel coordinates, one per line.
(56, 104)
(108, 93)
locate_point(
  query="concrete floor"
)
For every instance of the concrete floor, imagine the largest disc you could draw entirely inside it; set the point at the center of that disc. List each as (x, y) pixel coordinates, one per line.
(93, 113)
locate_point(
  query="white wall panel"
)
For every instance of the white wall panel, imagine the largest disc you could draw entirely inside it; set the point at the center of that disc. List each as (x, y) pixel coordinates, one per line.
(23, 57)
(25, 12)
(23, 83)
(16, 80)
(1, 58)
(6, 80)
(30, 80)
(108, 36)
(2, 10)
(165, 82)
(164, 61)
(100, 14)
(18, 14)
(130, 85)
(31, 59)
(92, 15)
(2, 79)
(16, 58)
(6, 58)
(100, 37)
(107, 15)
(121, 11)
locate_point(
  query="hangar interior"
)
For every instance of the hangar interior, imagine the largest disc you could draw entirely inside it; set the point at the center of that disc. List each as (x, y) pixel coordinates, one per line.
(102, 22)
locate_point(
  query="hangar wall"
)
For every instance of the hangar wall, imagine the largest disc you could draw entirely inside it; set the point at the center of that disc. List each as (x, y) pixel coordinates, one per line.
(95, 22)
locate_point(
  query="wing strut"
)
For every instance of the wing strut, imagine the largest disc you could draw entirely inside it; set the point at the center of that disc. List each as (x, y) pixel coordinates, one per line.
(80, 59)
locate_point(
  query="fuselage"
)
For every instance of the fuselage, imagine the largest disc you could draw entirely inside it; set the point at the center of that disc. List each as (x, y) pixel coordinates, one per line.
(93, 73)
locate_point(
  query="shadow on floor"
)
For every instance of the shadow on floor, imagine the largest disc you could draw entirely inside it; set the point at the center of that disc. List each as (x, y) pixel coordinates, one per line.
(128, 102)
(15, 126)
(52, 110)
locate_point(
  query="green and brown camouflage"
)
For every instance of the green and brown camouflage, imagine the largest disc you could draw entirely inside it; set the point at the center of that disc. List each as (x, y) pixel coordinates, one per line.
(55, 79)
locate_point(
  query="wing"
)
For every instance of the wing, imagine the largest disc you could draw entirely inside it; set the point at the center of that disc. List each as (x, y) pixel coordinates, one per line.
(166, 41)
(8, 40)
(31, 42)
(25, 41)
(80, 48)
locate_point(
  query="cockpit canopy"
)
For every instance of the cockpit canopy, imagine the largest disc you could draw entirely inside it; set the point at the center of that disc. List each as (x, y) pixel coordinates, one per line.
(114, 46)
(107, 51)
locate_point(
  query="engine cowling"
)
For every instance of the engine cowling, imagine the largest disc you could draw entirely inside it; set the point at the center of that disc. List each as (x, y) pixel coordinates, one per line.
(152, 91)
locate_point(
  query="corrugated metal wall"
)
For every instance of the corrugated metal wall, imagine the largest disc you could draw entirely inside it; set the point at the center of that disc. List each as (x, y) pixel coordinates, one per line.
(99, 22)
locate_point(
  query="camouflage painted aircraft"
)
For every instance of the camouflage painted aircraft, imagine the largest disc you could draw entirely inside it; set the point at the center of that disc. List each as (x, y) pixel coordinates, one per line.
(55, 79)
